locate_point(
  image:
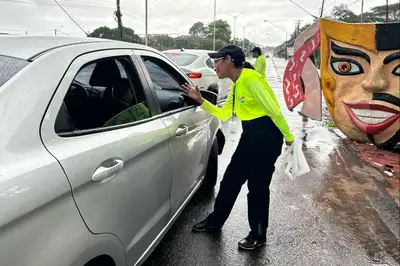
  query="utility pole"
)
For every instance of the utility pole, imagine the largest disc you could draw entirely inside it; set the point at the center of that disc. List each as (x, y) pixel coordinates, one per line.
(146, 22)
(387, 11)
(297, 29)
(215, 16)
(118, 14)
(250, 38)
(322, 8)
(286, 55)
(55, 30)
(234, 30)
(362, 10)
(244, 37)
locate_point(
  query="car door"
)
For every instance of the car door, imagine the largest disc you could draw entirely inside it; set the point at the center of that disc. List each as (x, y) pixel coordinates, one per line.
(188, 127)
(100, 126)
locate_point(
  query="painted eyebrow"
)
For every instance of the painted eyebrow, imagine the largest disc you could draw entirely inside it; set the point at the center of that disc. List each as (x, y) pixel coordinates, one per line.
(349, 51)
(391, 58)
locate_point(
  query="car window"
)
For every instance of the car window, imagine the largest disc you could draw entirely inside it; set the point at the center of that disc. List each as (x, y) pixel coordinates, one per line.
(167, 84)
(121, 70)
(210, 63)
(9, 66)
(160, 76)
(104, 93)
(182, 59)
(84, 75)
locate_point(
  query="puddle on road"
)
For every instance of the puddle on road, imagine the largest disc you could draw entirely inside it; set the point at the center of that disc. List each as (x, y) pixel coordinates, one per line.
(346, 201)
(349, 190)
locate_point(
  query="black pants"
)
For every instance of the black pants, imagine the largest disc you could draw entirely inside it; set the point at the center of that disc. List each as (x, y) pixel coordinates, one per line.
(253, 161)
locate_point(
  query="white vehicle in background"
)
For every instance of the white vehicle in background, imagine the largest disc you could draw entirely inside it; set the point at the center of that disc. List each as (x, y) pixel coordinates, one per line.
(200, 69)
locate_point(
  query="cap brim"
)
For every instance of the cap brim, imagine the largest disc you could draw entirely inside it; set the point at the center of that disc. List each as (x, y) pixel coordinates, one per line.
(216, 55)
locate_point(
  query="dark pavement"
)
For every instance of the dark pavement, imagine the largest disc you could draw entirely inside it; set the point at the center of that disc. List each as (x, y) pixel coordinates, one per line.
(338, 214)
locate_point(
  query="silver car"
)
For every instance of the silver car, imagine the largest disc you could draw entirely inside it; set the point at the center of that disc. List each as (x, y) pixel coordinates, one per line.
(200, 68)
(99, 150)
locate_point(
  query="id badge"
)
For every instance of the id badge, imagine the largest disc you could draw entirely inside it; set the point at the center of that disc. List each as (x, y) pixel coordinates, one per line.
(232, 125)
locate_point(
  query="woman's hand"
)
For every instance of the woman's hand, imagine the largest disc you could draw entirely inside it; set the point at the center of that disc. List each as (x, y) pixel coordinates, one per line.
(192, 92)
(289, 143)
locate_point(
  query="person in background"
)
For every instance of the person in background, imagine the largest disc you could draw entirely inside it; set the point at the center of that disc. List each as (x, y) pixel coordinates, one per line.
(260, 65)
(252, 100)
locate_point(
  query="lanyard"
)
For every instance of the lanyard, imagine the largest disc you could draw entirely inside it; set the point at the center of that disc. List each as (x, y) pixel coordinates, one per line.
(233, 101)
(233, 98)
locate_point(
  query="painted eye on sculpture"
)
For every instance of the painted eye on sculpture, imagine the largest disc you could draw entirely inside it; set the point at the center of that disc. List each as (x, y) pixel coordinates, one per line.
(346, 66)
(396, 71)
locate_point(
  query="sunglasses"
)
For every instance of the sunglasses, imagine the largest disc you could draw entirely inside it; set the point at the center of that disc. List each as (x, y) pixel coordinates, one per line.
(216, 60)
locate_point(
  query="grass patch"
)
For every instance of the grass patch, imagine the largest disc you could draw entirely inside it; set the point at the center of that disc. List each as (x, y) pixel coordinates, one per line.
(330, 123)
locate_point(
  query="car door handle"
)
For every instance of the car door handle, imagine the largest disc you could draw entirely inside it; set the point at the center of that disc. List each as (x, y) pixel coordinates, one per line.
(108, 170)
(181, 130)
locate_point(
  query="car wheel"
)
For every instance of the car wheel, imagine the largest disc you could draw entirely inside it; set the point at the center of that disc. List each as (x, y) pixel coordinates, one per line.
(210, 179)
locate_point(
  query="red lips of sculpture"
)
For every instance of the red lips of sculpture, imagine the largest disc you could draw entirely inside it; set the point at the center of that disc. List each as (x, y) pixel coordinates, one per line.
(371, 118)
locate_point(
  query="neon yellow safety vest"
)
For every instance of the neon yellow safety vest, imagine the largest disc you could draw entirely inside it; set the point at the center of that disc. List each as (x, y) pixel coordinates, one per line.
(261, 65)
(254, 98)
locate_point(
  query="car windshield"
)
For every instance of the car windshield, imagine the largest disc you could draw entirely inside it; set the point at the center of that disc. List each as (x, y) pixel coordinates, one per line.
(182, 59)
(9, 66)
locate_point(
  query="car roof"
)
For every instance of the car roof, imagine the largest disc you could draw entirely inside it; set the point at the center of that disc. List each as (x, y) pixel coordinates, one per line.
(189, 51)
(28, 47)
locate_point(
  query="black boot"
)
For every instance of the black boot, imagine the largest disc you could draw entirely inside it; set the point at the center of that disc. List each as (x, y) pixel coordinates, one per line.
(206, 225)
(251, 242)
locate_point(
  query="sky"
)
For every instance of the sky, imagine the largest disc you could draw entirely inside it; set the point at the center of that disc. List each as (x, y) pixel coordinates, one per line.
(174, 17)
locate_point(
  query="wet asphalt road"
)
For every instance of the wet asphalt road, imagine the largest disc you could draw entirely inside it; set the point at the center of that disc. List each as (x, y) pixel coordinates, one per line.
(338, 214)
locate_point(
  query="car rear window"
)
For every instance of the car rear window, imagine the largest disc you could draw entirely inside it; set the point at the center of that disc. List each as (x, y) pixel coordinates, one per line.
(9, 66)
(182, 59)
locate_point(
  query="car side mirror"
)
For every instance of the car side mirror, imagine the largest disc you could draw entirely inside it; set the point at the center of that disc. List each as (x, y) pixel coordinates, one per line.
(210, 96)
(213, 88)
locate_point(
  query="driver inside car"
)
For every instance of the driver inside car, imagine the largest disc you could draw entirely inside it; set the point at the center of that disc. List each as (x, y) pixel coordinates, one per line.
(125, 97)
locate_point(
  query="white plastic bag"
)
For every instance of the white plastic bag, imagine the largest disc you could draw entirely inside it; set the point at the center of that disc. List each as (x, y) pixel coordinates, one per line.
(232, 126)
(295, 164)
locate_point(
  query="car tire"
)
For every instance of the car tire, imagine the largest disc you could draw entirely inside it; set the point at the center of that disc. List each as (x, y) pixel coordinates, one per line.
(210, 179)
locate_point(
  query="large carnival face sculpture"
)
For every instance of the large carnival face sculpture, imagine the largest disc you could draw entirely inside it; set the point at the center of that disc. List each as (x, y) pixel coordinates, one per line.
(360, 78)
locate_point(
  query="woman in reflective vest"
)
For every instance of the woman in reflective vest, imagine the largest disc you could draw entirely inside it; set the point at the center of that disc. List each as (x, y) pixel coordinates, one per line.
(252, 101)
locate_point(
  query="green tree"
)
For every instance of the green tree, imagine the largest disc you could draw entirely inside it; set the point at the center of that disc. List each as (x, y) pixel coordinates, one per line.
(376, 14)
(343, 13)
(161, 41)
(197, 29)
(223, 30)
(128, 34)
(379, 12)
(103, 32)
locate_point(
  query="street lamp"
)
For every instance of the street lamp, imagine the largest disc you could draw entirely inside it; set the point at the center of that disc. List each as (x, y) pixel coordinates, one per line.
(146, 22)
(234, 25)
(286, 56)
(215, 16)
(244, 35)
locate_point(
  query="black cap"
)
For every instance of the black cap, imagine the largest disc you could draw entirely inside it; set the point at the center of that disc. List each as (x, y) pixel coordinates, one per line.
(256, 49)
(235, 52)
